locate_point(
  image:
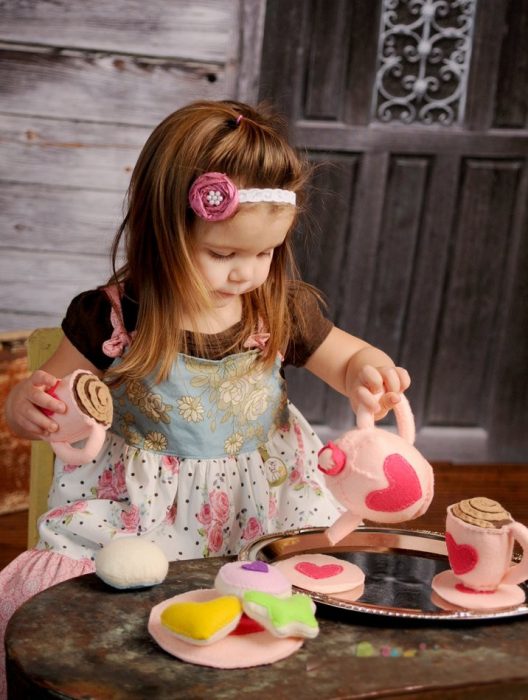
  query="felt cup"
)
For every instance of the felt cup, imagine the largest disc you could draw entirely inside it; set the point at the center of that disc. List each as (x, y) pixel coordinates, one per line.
(76, 424)
(481, 557)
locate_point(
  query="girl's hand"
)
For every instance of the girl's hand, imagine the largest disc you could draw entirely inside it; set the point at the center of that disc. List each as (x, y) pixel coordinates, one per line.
(378, 389)
(23, 408)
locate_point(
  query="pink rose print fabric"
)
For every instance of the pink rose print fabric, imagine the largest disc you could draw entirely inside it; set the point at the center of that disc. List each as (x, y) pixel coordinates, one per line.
(112, 484)
(252, 530)
(32, 572)
(214, 515)
(130, 519)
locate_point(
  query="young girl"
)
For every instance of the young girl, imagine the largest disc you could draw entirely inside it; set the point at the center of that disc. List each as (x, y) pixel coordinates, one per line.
(205, 453)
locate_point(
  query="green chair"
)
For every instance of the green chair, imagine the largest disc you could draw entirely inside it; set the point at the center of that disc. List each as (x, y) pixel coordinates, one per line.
(41, 344)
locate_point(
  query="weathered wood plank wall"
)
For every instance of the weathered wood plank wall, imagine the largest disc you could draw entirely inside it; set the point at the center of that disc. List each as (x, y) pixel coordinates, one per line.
(82, 84)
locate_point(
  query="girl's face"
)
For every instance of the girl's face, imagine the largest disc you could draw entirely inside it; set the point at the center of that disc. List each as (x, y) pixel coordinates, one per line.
(234, 256)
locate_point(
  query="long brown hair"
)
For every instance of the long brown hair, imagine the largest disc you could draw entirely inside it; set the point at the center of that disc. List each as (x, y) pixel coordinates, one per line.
(158, 227)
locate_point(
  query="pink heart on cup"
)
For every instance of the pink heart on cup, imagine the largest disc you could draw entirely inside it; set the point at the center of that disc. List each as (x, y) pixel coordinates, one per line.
(403, 490)
(462, 557)
(318, 571)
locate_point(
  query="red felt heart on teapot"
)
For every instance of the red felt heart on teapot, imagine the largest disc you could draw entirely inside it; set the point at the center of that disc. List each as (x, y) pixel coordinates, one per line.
(462, 557)
(403, 490)
(317, 571)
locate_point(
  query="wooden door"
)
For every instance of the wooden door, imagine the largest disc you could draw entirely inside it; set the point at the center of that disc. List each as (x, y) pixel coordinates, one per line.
(416, 115)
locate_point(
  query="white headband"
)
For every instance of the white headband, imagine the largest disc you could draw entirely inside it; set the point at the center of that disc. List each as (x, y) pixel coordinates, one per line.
(214, 197)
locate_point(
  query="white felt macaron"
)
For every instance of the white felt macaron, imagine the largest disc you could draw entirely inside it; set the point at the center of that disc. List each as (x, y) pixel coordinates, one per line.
(238, 577)
(131, 562)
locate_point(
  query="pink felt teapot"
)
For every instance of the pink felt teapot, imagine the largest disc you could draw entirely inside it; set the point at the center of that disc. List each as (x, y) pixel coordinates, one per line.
(377, 474)
(89, 413)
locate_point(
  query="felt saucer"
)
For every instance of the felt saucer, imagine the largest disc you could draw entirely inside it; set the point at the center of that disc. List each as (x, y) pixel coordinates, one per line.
(321, 573)
(443, 604)
(450, 589)
(350, 596)
(234, 651)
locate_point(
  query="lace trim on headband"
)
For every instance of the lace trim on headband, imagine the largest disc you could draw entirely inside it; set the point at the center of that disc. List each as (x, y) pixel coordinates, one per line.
(215, 197)
(267, 195)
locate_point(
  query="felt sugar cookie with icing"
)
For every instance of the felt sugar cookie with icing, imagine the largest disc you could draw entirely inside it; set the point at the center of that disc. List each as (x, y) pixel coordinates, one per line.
(321, 573)
(282, 617)
(202, 623)
(238, 577)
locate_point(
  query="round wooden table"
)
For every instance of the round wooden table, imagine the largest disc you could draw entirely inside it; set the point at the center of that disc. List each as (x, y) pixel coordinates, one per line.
(82, 639)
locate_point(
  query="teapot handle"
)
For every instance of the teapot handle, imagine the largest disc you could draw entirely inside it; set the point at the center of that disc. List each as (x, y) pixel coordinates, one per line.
(404, 419)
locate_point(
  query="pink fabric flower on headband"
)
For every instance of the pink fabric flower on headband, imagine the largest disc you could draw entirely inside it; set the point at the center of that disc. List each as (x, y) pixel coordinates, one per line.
(213, 197)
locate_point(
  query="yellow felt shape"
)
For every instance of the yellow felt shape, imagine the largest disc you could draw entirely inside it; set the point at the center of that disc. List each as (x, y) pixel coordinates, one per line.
(203, 623)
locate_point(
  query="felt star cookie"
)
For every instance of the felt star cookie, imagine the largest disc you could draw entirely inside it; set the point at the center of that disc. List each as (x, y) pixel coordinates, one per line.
(203, 623)
(282, 617)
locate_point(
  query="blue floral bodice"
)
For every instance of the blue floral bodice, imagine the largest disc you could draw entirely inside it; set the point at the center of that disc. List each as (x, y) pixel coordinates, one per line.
(205, 408)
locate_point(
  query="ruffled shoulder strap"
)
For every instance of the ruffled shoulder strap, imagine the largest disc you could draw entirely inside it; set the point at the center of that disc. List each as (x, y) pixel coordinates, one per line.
(120, 339)
(258, 339)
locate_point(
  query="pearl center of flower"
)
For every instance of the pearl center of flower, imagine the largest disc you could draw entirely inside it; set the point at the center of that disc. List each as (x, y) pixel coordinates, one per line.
(214, 198)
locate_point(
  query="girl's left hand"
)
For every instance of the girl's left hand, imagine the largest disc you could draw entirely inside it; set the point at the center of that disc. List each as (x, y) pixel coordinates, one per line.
(378, 389)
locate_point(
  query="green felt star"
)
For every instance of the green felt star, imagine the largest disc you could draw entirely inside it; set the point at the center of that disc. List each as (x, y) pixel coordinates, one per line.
(283, 611)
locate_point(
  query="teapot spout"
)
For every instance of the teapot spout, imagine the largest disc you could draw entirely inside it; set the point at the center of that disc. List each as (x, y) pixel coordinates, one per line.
(344, 525)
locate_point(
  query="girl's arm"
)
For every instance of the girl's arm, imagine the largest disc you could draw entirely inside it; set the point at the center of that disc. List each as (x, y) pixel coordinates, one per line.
(22, 408)
(360, 371)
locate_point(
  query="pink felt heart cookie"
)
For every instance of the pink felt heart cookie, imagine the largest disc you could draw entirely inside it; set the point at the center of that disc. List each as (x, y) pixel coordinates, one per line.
(321, 573)
(462, 557)
(403, 490)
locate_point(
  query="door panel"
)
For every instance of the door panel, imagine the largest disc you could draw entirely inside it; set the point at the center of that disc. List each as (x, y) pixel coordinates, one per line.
(420, 225)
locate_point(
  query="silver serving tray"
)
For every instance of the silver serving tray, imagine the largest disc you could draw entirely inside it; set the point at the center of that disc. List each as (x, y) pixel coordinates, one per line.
(399, 566)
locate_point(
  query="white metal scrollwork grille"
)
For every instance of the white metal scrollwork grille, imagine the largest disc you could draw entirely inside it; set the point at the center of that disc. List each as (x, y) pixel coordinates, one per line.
(423, 61)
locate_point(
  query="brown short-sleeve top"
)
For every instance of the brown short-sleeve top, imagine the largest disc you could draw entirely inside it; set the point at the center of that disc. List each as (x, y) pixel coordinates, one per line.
(87, 325)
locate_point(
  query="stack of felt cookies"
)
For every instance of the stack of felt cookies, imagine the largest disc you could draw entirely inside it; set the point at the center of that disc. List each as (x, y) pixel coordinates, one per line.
(250, 618)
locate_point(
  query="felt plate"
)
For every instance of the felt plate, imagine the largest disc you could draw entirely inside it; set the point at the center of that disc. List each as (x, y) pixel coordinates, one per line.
(399, 566)
(234, 651)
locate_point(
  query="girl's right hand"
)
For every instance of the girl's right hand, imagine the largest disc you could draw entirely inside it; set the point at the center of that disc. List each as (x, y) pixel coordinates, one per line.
(23, 407)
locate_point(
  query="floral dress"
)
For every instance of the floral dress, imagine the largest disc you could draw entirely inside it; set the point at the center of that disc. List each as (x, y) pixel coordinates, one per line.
(200, 464)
